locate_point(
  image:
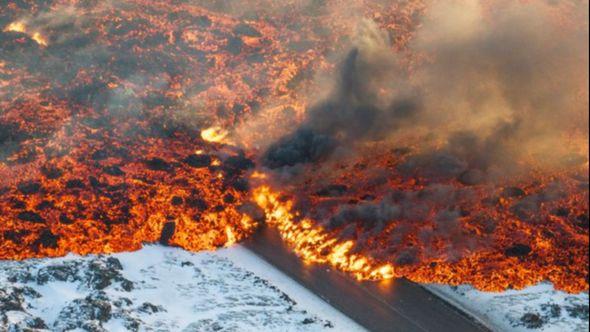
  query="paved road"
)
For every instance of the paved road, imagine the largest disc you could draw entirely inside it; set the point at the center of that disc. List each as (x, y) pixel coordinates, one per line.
(391, 305)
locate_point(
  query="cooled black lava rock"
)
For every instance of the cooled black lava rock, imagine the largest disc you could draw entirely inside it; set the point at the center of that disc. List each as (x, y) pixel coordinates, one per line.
(246, 30)
(65, 219)
(150, 308)
(235, 165)
(47, 239)
(88, 314)
(167, 232)
(234, 45)
(518, 250)
(198, 203)
(582, 220)
(18, 204)
(114, 170)
(94, 182)
(578, 311)
(158, 164)
(29, 187)
(241, 184)
(75, 184)
(62, 272)
(176, 201)
(35, 323)
(532, 321)
(332, 190)
(229, 198)
(198, 160)
(561, 212)
(44, 205)
(99, 154)
(103, 273)
(551, 309)
(31, 216)
(10, 301)
(512, 192)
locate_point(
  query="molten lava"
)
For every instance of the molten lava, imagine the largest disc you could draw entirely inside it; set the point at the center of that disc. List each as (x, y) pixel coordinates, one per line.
(313, 243)
(493, 238)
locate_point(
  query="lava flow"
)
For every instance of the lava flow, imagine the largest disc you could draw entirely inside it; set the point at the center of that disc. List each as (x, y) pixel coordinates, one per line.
(416, 139)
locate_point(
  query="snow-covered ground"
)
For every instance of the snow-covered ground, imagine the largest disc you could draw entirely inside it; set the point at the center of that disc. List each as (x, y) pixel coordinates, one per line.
(160, 289)
(538, 308)
(169, 289)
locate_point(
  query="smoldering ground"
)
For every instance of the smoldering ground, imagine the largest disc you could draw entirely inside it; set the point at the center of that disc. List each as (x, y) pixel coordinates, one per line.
(500, 90)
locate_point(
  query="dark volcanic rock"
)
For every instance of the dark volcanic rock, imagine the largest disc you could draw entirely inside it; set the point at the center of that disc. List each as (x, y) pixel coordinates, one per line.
(532, 321)
(582, 220)
(102, 274)
(62, 272)
(167, 232)
(578, 311)
(234, 165)
(65, 219)
(198, 160)
(241, 184)
(561, 212)
(88, 313)
(29, 187)
(150, 308)
(246, 30)
(332, 190)
(198, 203)
(176, 201)
(44, 205)
(512, 192)
(75, 184)
(99, 155)
(51, 173)
(517, 250)
(31, 216)
(10, 300)
(114, 170)
(47, 239)
(158, 164)
(234, 45)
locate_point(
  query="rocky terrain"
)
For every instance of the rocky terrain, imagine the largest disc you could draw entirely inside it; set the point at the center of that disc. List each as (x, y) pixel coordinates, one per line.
(536, 308)
(154, 289)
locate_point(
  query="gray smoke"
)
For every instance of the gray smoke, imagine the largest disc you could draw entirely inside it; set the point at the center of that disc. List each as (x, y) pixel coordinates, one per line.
(492, 87)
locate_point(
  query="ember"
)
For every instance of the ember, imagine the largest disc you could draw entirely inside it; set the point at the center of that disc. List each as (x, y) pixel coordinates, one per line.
(377, 138)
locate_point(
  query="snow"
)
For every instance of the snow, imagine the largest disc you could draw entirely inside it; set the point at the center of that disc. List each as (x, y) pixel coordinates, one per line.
(172, 290)
(168, 289)
(538, 308)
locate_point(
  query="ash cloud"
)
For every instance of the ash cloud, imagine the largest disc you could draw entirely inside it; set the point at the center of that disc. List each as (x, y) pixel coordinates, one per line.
(499, 86)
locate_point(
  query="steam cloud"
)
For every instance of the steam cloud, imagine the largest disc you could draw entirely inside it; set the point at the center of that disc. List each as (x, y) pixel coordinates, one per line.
(497, 87)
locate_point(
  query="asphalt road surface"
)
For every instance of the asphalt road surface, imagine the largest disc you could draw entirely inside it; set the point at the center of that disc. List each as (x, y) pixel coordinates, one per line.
(390, 305)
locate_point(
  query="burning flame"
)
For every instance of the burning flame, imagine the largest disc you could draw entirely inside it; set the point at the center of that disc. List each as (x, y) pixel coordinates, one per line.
(16, 27)
(231, 237)
(315, 245)
(214, 134)
(22, 28)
